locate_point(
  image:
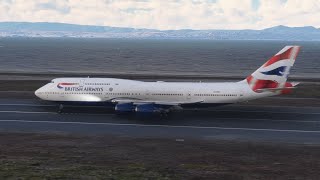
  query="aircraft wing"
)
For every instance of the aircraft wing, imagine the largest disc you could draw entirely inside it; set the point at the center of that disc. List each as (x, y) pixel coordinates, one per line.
(164, 103)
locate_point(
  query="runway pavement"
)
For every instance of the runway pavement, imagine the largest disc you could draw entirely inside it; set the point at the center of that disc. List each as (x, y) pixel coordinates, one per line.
(235, 122)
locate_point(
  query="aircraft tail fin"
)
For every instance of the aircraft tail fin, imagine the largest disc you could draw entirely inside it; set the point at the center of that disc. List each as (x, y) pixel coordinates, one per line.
(274, 73)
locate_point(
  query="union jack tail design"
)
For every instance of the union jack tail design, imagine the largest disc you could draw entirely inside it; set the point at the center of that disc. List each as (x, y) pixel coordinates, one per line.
(274, 73)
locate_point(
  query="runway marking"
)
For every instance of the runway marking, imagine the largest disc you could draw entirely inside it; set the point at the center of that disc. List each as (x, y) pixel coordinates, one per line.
(275, 120)
(214, 110)
(273, 106)
(32, 105)
(47, 105)
(161, 126)
(294, 98)
(29, 112)
(275, 112)
(217, 118)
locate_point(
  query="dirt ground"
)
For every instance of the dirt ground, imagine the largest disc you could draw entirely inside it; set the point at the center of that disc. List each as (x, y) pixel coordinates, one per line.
(58, 156)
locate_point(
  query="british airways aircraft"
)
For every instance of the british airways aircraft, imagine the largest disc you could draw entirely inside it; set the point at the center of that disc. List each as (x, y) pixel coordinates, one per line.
(162, 97)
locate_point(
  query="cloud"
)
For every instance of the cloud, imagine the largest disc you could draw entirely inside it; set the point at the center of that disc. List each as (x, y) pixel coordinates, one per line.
(290, 12)
(166, 14)
(54, 6)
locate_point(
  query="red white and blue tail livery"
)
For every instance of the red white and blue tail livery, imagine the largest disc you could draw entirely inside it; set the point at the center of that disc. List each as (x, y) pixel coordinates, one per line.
(138, 96)
(274, 73)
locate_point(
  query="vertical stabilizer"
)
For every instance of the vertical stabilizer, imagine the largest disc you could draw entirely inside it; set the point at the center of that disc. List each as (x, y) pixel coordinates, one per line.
(274, 73)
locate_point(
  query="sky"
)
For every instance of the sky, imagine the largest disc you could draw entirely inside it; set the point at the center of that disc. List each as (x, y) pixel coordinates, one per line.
(166, 14)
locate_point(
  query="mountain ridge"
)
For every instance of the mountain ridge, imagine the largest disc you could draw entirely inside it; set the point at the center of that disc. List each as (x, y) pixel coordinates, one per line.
(48, 29)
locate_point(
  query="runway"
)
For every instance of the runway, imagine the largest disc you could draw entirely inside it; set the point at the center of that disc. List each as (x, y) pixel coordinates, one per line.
(234, 122)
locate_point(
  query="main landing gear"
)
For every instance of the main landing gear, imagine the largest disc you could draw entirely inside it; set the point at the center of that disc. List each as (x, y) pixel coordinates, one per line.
(164, 114)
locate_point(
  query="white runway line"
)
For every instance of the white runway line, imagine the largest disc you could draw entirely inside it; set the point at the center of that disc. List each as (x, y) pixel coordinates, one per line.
(293, 98)
(275, 112)
(161, 126)
(28, 105)
(213, 110)
(29, 112)
(46, 105)
(217, 118)
(274, 120)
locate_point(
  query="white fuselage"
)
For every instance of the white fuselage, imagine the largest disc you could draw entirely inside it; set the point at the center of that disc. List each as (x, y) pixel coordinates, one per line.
(108, 89)
(129, 95)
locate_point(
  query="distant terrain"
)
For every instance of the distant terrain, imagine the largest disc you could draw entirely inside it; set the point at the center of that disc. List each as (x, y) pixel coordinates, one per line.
(45, 29)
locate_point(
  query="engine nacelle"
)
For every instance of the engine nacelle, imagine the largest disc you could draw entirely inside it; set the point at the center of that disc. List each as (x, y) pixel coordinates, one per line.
(124, 107)
(148, 108)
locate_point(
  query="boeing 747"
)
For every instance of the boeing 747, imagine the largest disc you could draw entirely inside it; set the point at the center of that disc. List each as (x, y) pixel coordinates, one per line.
(162, 97)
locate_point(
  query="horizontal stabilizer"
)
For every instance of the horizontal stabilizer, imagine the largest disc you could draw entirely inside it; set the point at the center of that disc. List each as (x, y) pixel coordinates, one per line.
(294, 83)
(273, 89)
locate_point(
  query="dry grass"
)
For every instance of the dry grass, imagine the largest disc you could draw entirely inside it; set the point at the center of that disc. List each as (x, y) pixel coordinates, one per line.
(43, 156)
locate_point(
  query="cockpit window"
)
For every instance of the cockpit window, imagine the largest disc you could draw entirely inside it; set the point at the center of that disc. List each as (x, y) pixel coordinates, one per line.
(52, 82)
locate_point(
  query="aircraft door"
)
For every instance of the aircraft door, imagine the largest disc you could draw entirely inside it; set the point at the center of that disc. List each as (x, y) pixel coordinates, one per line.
(81, 83)
(188, 95)
(62, 93)
(147, 96)
(107, 92)
(240, 95)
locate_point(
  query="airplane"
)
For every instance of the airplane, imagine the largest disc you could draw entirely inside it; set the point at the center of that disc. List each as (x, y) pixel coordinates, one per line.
(162, 97)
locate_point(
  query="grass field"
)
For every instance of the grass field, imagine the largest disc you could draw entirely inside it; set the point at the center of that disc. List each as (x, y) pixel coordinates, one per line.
(54, 156)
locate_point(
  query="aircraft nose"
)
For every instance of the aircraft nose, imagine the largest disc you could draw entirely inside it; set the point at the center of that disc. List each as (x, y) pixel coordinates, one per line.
(38, 92)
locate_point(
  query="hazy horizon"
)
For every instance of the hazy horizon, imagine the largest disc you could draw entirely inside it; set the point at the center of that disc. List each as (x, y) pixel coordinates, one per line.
(47, 22)
(167, 15)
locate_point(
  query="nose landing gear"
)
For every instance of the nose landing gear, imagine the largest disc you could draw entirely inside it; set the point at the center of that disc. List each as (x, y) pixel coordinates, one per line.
(60, 108)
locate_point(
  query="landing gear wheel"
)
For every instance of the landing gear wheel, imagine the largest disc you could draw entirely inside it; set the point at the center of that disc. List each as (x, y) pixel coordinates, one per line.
(164, 114)
(60, 108)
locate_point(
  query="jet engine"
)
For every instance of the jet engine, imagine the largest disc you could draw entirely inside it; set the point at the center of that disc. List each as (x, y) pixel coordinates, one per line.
(124, 107)
(148, 108)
